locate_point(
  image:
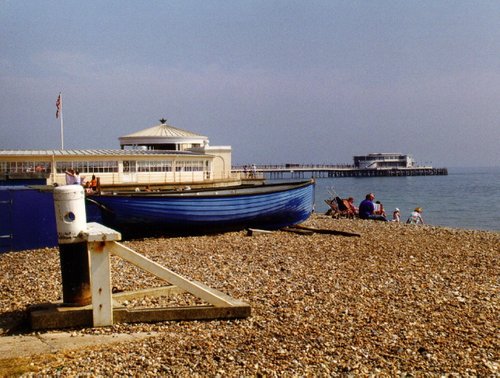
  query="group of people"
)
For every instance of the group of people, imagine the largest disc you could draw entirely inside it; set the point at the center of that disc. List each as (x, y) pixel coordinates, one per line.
(73, 178)
(374, 210)
(250, 171)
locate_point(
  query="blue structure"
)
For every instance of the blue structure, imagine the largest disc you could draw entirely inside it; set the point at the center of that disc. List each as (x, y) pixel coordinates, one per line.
(28, 219)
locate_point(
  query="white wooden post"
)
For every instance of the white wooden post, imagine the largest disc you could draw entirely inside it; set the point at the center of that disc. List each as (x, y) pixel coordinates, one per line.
(100, 282)
(99, 238)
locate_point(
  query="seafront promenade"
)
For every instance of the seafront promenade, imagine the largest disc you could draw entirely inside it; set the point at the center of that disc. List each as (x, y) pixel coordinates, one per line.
(333, 170)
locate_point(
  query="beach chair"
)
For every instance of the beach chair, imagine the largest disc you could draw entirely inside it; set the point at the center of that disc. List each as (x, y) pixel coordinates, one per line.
(350, 211)
(333, 209)
(338, 208)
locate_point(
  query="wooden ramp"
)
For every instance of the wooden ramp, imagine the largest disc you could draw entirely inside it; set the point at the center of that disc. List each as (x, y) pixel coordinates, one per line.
(105, 309)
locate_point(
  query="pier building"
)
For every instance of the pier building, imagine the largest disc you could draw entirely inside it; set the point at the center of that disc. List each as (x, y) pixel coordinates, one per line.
(371, 165)
(383, 160)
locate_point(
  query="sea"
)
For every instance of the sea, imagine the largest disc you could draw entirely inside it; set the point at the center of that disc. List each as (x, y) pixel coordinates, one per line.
(467, 198)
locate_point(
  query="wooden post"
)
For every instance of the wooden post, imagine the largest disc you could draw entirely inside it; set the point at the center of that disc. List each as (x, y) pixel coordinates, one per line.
(99, 238)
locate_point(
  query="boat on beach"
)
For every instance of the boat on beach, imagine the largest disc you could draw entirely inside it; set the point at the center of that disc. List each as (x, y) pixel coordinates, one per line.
(266, 206)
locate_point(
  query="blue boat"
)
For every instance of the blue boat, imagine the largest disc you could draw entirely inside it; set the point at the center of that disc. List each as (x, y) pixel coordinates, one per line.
(266, 206)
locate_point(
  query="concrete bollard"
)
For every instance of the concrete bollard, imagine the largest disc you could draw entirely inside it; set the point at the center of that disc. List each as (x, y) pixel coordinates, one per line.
(71, 220)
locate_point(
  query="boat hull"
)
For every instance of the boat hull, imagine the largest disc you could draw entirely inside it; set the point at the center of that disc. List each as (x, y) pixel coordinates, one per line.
(268, 207)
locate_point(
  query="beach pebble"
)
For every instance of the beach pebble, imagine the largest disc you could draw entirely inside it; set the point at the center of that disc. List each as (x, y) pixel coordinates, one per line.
(399, 300)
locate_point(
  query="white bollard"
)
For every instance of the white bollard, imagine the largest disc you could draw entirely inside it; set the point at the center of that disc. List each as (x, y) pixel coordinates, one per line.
(71, 221)
(71, 217)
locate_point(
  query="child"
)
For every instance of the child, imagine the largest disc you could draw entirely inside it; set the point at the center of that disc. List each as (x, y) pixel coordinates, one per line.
(396, 215)
(416, 217)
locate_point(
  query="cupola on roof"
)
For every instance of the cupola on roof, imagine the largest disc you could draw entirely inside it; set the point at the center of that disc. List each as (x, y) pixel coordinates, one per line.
(163, 137)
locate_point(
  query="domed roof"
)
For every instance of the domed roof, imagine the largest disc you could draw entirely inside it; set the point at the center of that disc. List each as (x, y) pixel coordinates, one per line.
(164, 131)
(164, 137)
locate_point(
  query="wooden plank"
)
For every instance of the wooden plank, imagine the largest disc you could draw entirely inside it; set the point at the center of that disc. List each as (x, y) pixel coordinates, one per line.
(256, 231)
(153, 292)
(323, 231)
(100, 282)
(181, 313)
(199, 290)
(56, 317)
(297, 231)
(52, 316)
(98, 232)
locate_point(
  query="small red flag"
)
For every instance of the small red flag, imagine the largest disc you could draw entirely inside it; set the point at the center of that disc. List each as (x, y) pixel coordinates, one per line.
(58, 105)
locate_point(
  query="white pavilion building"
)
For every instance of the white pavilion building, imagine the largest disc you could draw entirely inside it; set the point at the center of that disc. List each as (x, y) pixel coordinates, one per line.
(161, 155)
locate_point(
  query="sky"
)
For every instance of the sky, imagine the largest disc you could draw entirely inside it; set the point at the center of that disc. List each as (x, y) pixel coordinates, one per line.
(279, 81)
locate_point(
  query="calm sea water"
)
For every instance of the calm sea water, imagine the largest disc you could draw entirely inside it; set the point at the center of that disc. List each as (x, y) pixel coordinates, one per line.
(467, 198)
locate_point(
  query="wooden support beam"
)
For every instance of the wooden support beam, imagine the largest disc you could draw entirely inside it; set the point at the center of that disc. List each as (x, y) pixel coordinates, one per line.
(153, 292)
(105, 309)
(180, 313)
(198, 289)
(100, 283)
(98, 239)
(52, 316)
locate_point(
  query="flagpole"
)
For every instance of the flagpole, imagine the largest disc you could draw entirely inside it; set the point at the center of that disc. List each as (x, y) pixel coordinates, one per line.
(62, 127)
(59, 113)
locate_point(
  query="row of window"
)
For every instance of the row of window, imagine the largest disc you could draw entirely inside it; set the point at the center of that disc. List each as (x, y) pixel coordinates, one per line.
(151, 166)
(25, 166)
(107, 166)
(189, 166)
(164, 166)
(110, 166)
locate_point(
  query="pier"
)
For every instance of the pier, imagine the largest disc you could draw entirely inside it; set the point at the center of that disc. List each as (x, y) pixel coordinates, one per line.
(281, 171)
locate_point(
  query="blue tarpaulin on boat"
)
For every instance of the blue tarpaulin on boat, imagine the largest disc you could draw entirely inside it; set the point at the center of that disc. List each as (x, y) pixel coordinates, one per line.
(23, 182)
(27, 219)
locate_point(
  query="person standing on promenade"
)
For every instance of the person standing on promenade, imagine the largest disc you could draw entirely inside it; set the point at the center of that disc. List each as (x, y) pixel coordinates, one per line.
(77, 178)
(70, 177)
(367, 209)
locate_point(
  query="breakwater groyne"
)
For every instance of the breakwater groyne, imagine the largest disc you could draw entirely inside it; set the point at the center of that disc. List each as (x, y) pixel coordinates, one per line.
(327, 170)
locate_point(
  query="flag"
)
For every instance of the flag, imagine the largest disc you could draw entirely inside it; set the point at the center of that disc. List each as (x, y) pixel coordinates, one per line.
(58, 105)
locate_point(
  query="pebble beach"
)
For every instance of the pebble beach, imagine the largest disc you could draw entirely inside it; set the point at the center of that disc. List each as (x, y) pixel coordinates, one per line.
(397, 300)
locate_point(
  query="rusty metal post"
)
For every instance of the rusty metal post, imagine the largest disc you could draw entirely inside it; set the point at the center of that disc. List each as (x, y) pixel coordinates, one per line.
(71, 220)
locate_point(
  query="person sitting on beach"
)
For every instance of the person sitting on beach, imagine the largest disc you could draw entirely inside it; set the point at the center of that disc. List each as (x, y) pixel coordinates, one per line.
(379, 209)
(353, 210)
(396, 215)
(416, 217)
(367, 209)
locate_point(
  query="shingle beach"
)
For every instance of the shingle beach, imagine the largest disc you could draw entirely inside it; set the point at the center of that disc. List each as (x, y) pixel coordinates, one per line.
(400, 299)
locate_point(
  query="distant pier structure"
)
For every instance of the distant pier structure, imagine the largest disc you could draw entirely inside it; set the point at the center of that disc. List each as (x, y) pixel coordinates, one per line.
(371, 165)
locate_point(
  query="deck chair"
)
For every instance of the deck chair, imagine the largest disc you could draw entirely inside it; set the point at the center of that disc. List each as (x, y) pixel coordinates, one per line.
(333, 208)
(347, 209)
(344, 208)
(339, 208)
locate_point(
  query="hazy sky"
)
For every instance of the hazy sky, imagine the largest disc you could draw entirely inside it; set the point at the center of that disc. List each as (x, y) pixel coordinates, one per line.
(279, 81)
